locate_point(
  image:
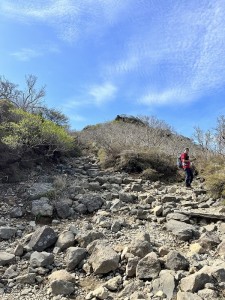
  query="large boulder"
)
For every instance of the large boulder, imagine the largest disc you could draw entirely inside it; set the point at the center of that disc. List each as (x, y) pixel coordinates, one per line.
(176, 261)
(182, 230)
(6, 258)
(86, 238)
(165, 283)
(7, 232)
(92, 202)
(148, 267)
(42, 207)
(41, 259)
(74, 256)
(40, 189)
(65, 240)
(43, 238)
(104, 259)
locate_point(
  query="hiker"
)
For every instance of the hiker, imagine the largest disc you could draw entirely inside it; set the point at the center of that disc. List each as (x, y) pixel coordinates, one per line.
(186, 164)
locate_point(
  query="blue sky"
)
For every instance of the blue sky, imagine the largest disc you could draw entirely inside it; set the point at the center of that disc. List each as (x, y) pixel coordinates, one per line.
(100, 58)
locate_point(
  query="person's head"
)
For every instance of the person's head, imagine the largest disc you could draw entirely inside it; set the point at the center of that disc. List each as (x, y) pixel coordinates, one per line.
(186, 150)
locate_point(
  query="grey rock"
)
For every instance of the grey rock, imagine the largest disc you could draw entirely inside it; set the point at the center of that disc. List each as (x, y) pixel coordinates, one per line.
(116, 204)
(208, 294)
(80, 208)
(6, 258)
(116, 226)
(43, 238)
(42, 207)
(148, 267)
(187, 296)
(104, 259)
(176, 261)
(169, 198)
(178, 217)
(61, 287)
(131, 266)
(7, 232)
(74, 256)
(63, 210)
(86, 238)
(93, 202)
(182, 230)
(113, 283)
(195, 282)
(18, 251)
(38, 190)
(11, 272)
(17, 212)
(165, 283)
(26, 279)
(209, 240)
(65, 240)
(139, 248)
(127, 198)
(41, 259)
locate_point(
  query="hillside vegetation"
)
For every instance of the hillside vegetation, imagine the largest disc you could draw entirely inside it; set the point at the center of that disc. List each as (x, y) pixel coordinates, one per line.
(31, 133)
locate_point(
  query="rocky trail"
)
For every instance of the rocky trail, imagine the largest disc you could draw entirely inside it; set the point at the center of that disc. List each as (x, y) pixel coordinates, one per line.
(77, 232)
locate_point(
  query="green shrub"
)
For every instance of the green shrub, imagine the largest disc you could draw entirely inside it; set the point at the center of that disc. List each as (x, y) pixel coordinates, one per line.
(33, 132)
(215, 184)
(151, 174)
(152, 164)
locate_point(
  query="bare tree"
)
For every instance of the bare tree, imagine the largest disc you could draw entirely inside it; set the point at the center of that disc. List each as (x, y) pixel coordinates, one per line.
(9, 91)
(29, 99)
(220, 135)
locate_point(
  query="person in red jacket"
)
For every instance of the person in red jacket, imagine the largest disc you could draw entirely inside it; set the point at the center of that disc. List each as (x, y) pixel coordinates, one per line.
(186, 163)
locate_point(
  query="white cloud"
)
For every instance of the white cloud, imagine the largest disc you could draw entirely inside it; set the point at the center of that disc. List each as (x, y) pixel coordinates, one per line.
(101, 94)
(26, 54)
(178, 53)
(71, 19)
(93, 95)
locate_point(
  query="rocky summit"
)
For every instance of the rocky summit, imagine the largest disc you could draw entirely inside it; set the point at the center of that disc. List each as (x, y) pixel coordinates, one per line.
(77, 232)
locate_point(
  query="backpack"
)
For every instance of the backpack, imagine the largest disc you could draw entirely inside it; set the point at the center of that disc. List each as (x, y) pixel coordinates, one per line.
(179, 162)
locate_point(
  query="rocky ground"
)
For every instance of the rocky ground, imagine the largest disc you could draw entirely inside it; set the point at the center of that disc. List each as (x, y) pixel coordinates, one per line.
(76, 232)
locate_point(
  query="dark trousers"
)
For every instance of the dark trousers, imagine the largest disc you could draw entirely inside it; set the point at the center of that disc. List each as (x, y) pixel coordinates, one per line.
(189, 176)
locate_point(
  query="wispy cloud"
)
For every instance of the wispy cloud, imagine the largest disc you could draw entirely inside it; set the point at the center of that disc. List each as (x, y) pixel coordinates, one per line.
(101, 94)
(93, 95)
(178, 54)
(71, 19)
(26, 54)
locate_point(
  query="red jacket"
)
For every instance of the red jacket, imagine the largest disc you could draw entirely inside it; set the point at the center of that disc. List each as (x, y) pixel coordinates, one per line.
(184, 156)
